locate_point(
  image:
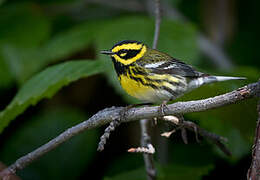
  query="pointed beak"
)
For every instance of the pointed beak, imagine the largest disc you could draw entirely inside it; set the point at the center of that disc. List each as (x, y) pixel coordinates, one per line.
(107, 52)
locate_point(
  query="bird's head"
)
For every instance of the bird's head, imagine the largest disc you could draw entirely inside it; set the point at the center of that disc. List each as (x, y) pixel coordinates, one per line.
(127, 52)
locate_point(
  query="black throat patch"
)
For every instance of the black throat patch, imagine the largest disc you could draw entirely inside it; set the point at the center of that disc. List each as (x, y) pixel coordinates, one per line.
(120, 68)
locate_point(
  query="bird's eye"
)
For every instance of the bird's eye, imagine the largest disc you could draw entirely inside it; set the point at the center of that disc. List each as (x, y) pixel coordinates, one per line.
(123, 54)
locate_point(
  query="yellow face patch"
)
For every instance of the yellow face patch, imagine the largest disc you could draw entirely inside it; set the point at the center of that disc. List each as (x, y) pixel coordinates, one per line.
(129, 47)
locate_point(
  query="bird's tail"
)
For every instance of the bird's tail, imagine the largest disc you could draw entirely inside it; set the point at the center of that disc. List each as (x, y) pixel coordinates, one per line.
(211, 79)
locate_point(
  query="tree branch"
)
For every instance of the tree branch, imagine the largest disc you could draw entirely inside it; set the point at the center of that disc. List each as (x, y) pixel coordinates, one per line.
(254, 170)
(211, 136)
(182, 124)
(105, 136)
(145, 132)
(148, 158)
(109, 114)
(157, 23)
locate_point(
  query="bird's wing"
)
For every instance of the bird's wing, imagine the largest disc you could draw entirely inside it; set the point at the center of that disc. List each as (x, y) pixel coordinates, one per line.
(161, 63)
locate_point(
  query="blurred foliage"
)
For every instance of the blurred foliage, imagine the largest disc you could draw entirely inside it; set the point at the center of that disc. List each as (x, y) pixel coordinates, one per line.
(183, 164)
(166, 173)
(45, 85)
(72, 156)
(38, 37)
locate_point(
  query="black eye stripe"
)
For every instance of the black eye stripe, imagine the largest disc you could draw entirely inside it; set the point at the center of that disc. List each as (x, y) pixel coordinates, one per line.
(130, 53)
(122, 51)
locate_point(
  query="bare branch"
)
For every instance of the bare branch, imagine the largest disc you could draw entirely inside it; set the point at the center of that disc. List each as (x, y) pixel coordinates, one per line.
(211, 136)
(157, 23)
(147, 150)
(148, 158)
(105, 136)
(8, 175)
(145, 138)
(182, 124)
(254, 170)
(109, 114)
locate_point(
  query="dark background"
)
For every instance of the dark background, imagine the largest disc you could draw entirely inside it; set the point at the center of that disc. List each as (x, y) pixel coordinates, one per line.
(38, 34)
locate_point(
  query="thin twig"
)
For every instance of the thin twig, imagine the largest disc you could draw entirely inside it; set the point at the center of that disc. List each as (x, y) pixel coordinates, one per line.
(147, 150)
(254, 170)
(209, 135)
(105, 136)
(8, 176)
(113, 125)
(157, 23)
(148, 158)
(109, 114)
(145, 138)
(183, 125)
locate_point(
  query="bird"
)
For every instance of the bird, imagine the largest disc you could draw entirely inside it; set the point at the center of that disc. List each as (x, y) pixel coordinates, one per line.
(152, 76)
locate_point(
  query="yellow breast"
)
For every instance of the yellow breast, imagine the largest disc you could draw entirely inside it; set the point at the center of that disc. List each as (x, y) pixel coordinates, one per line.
(135, 88)
(143, 92)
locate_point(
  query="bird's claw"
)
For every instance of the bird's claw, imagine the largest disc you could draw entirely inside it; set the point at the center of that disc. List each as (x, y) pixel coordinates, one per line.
(162, 108)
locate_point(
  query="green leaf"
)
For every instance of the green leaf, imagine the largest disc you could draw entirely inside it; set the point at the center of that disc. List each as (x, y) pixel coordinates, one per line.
(67, 161)
(5, 76)
(46, 84)
(23, 25)
(67, 43)
(62, 45)
(19, 59)
(2, 2)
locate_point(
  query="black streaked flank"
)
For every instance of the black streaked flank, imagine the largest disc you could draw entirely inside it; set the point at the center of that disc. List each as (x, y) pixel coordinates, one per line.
(137, 70)
(144, 83)
(174, 93)
(149, 82)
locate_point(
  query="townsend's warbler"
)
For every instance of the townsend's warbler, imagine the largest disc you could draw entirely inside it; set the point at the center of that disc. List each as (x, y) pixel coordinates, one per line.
(153, 76)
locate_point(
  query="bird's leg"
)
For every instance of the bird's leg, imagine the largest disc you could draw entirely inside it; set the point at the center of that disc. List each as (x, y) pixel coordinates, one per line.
(162, 108)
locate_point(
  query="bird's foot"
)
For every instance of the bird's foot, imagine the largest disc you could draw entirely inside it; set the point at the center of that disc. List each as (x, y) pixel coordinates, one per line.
(162, 108)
